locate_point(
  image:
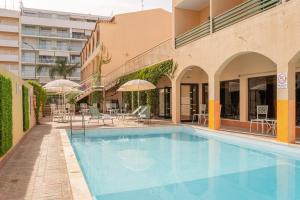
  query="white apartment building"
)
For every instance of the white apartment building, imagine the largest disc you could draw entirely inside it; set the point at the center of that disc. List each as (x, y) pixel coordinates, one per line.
(9, 41)
(49, 35)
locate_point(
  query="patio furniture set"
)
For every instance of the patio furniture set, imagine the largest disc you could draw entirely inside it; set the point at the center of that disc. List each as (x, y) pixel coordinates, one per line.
(261, 119)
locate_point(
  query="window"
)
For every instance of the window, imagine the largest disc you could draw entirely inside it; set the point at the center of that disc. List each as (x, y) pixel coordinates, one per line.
(28, 71)
(78, 35)
(230, 99)
(298, 98)
(205, 94)
(262, 91)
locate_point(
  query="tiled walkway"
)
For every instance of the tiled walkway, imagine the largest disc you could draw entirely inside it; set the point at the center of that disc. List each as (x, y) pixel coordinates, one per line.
(37, 169)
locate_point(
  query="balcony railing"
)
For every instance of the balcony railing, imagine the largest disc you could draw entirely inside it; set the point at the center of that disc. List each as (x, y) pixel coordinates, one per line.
(194, 34)
(238, 13)
(159, 53)
(242, 12)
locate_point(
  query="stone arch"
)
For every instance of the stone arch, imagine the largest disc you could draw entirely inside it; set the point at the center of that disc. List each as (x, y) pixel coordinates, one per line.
(226, 62)
(187, 75)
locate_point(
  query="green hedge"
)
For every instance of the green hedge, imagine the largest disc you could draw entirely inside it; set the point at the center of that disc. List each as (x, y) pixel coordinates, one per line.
(152, 74)
(25, 95)
(41, 97)
(6, 121)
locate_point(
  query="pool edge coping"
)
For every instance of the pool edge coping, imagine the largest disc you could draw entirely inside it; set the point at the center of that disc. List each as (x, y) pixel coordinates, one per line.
(77, 181)
(251, 137)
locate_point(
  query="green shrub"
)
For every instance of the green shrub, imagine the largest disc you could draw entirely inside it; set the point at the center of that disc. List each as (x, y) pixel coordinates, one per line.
(41, 97)
(152, 74)
(25, 95)
(6, 121)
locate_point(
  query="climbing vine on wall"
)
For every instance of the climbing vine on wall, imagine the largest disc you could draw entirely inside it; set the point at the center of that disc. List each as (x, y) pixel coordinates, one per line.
(6, 121)
(152, 74)
(25, 99)
(41, 96)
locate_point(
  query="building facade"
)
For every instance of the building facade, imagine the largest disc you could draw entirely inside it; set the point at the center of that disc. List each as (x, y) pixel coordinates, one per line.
(10, 41)
(235, 55)
(50, 35)
(133, 40)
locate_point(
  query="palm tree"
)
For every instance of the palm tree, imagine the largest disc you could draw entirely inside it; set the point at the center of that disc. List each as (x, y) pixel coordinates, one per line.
(61, 68)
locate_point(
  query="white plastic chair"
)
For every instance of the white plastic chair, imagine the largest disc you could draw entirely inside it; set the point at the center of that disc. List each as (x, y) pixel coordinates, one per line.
(202, 113)
(261, 117)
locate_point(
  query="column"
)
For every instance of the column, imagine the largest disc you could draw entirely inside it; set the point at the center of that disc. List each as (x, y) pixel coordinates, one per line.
(286, 104)
(176, 101)
(243, 99)
(214, 120)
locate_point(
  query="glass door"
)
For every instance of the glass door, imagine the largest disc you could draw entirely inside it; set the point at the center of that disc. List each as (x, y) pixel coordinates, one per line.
(165, 102)
(189, 101)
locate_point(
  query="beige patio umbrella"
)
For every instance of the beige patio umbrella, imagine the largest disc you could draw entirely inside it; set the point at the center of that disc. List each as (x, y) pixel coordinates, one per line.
(61, 86)
(136, 85)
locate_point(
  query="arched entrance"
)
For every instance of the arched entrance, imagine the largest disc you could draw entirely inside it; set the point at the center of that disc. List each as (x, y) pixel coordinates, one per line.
(245, 81)
(164, 86)
(192, 91)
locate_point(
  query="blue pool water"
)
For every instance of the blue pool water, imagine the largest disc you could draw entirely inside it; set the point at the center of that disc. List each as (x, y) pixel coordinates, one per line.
(180, 163)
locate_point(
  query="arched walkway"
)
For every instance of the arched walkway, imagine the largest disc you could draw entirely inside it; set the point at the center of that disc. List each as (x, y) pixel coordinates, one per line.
(240, 84)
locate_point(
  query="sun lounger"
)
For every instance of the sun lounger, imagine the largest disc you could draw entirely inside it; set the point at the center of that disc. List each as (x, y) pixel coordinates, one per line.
(95, 114)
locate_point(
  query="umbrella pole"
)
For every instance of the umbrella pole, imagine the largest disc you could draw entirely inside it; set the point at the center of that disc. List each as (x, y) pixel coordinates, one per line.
(138, 98)
(132, 101)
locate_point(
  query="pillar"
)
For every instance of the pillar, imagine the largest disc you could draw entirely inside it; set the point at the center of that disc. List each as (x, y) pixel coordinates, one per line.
(243, 99)
(286, 104)
(176, 101)
(214, 119)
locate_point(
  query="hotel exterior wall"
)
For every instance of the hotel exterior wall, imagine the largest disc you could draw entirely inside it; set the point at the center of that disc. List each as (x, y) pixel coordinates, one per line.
(17, 109)
(273, 34)
(10, 41)
(127, 36)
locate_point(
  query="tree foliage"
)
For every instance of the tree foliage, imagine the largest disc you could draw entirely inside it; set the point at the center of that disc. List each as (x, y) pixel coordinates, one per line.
(6, 121)
(61, 68)
(25, 99)
(152, 74)
(41, 97)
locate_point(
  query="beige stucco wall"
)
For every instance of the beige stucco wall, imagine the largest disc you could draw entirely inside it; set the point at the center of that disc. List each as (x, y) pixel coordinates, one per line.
(164, 82)
(127, 36)
(220, 6)
(17, 107)
(133, 34)
(188, 19)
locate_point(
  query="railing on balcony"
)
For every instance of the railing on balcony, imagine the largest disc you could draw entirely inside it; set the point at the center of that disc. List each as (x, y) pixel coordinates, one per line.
(238, 13)
(193, 34)
(242, 12)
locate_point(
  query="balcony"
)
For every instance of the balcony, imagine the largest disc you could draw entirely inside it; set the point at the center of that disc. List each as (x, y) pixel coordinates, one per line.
(9, 43)
(194, 34)
(37, 33)
(9, 58)
(11, 28)
(228, 18)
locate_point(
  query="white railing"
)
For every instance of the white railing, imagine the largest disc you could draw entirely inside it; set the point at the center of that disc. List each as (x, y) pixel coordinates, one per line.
(157, 54)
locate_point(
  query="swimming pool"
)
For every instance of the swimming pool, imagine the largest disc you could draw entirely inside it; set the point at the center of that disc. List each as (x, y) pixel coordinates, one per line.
(182, 163)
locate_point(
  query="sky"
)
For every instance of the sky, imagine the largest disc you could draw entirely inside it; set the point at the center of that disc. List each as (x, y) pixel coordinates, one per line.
(97, 7)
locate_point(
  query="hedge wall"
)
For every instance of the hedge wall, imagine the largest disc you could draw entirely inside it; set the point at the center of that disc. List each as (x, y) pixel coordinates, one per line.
(6, 121)
(41, 97)
(25, 95)
(152, 74)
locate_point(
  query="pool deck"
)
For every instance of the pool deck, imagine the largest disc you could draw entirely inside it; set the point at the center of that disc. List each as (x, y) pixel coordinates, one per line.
(38, 168)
